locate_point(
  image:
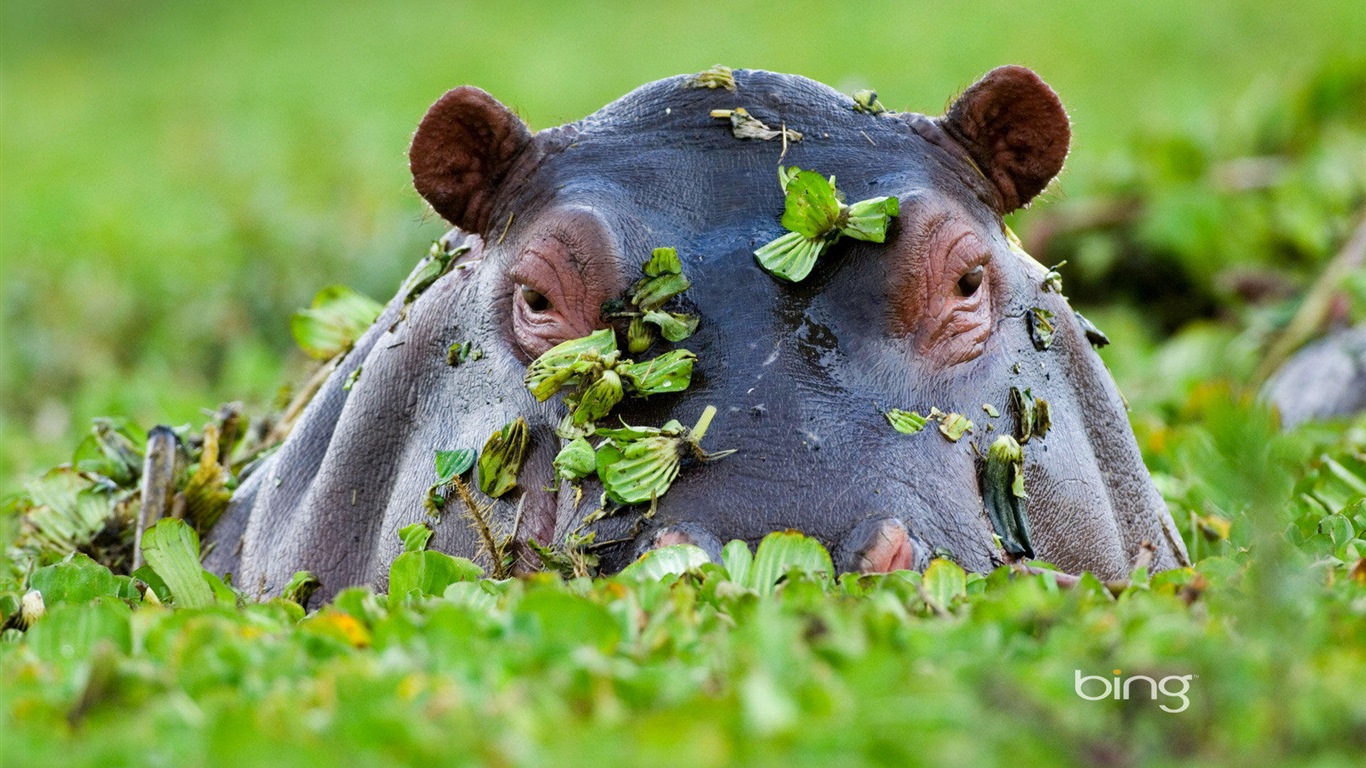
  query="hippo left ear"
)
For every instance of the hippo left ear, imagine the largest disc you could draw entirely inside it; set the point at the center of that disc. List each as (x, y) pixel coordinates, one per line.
(461, 153)
(1015, 129)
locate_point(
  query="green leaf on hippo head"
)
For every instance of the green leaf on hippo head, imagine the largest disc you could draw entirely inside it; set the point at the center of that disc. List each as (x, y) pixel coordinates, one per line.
(669, 372)
(905, 422)
(791, 256)
(415, 536)
(453, 464)
(1004, 496)
(1052, 279)
(653, 292)
(171, 549)
(954, 425)
(639, 336)
(336, 319)
(1041, 328)
(812, 207)
(663, 280)
(782, 551)
(77, 579)
(502, 457)
(562, 363)
(628, 433)
(673, 326)
(645, 470)
(598, 399)
(663, 261)
(866, 101)
(1032, 417)
(868, 219)
(719, 76)
(674, 560)
(576, 460)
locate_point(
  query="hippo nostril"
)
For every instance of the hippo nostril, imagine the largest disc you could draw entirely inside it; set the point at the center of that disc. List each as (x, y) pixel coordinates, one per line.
(971, 281)
(879, 545)
(683, 533)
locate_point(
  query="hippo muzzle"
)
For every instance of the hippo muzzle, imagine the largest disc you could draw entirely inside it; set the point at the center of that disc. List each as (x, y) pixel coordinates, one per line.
(946, 318)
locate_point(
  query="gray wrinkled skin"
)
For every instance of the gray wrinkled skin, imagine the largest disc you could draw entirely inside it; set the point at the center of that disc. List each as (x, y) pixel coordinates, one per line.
(800, 373)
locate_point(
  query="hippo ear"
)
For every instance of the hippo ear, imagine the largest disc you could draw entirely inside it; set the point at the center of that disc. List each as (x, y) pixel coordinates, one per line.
(1015, 128)
(463, 149)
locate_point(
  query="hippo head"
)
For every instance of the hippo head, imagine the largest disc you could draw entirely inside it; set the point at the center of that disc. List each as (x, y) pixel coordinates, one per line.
(947, 313)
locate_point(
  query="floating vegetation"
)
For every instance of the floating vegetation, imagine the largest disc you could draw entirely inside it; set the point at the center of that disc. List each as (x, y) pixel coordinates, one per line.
(719, 76)
(1040, 328)
(954, 425)
(746, 126)
(334, 321)
(638, 464)
(576, 460)
(866, 101)
(990, 410)
(815, 218)
(352, 378)
(463, 352)
(663, 280)
(502, 458)
(1052, 279)
(302, 585)
(593, 365)
(1032, 417)
(450, 465)
(433, 266)
(951, 425)
(1004, 494)
(905, 422)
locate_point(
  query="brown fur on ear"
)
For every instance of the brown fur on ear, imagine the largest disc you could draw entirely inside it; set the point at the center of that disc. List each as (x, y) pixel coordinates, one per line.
(1015, 128)
(461, 152)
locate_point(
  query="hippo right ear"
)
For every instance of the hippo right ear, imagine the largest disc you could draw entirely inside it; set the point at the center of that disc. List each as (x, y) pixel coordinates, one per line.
(461, 153)
(1015, 129)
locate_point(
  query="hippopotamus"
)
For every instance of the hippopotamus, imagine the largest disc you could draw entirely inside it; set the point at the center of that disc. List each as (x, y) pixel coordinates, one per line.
(945, 317)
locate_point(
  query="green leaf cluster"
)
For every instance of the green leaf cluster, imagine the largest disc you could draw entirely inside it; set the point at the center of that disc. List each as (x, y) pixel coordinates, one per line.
(593, 366)
(815, 216)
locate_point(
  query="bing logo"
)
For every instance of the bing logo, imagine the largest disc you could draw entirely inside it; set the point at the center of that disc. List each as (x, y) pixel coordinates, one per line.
(1173, 687)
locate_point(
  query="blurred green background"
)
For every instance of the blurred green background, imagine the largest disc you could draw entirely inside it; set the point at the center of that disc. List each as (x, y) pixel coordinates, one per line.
(177, 178)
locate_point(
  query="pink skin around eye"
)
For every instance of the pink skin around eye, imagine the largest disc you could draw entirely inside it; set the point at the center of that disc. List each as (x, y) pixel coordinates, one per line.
(559, 285)
(950, 325)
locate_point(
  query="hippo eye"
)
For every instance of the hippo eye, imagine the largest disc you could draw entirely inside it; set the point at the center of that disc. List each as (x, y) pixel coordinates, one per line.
(971, 281)
(535, 300)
